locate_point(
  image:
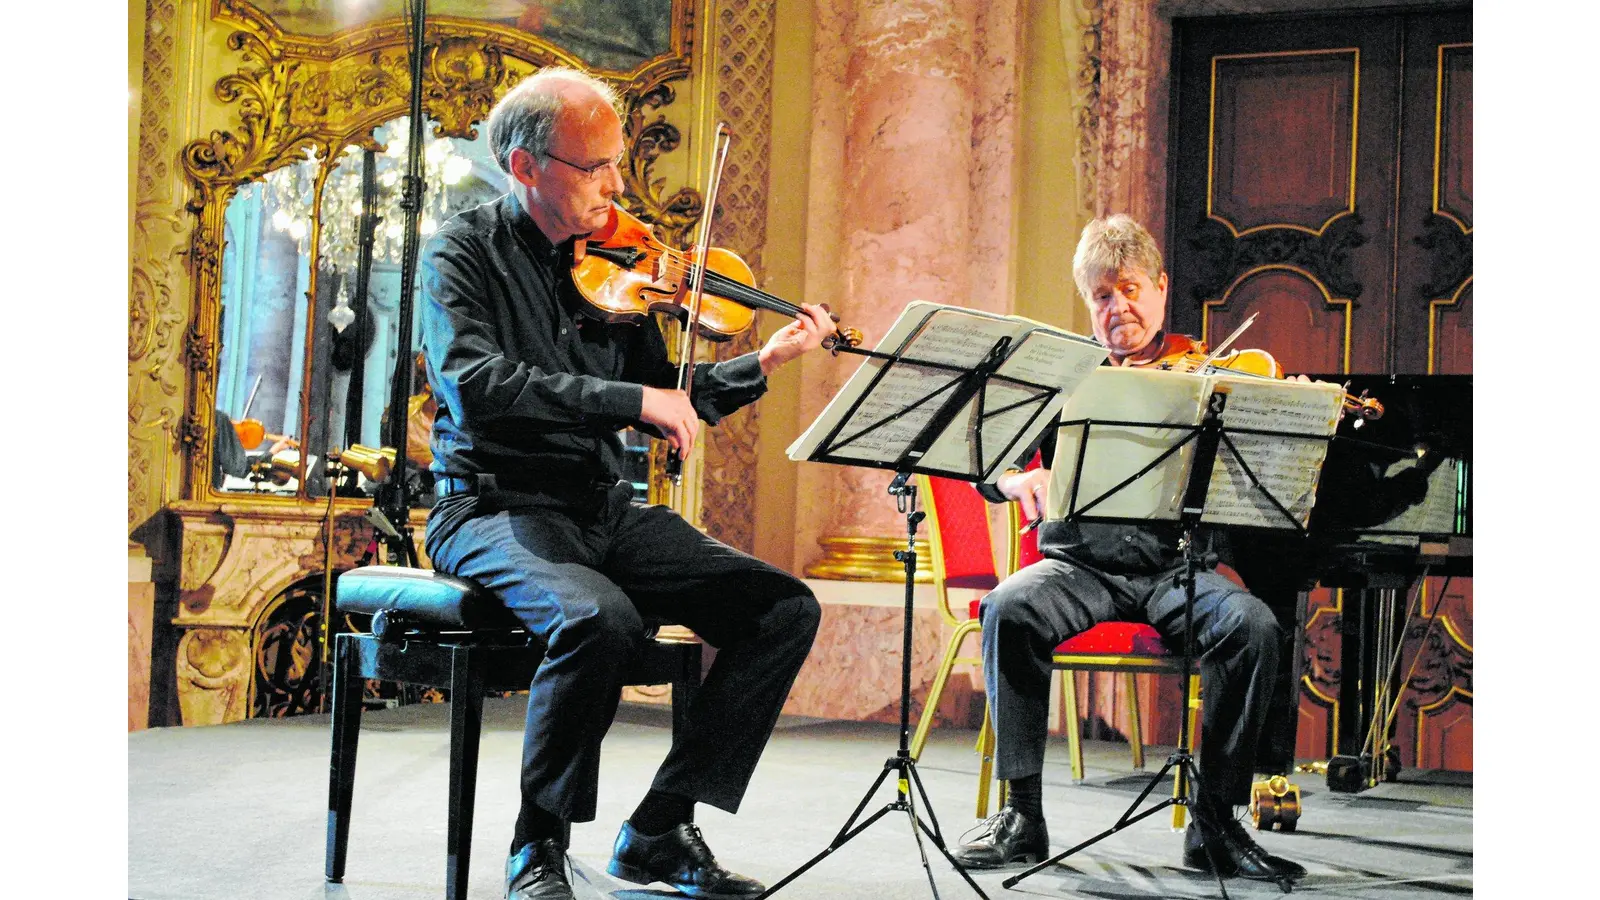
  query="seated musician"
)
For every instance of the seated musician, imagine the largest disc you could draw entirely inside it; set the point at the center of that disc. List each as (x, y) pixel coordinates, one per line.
(531, 395)
(1100, 572)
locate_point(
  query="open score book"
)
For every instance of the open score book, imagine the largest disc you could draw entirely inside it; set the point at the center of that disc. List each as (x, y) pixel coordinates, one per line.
(1287, 462)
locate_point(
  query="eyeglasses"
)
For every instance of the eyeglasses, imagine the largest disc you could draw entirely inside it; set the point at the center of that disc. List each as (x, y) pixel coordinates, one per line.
(590, 172)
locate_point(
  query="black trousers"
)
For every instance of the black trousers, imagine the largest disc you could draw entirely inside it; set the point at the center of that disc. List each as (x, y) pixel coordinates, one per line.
(1237, 643)
(582, 573)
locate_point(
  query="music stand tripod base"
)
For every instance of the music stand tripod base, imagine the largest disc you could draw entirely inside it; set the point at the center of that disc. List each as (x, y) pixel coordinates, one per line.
(904, 767)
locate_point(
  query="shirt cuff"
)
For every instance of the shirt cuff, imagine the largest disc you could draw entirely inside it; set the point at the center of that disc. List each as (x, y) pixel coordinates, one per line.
(622, 401)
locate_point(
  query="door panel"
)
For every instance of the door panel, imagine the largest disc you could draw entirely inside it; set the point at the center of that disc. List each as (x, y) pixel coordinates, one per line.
(1286, 128)
(1433, 246)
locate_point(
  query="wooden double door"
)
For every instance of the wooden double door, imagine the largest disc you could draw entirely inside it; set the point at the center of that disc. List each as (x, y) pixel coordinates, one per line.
(1321, 177)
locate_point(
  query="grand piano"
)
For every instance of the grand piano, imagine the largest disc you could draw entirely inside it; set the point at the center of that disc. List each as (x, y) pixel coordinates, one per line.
(1394, 504)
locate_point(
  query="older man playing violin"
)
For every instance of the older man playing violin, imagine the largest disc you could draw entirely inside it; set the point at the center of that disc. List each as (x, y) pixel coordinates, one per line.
(531, 503)
(1098, 572)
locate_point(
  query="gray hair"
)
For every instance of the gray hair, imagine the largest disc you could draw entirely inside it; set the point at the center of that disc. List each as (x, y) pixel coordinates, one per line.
(525, 117)
(1111, 244)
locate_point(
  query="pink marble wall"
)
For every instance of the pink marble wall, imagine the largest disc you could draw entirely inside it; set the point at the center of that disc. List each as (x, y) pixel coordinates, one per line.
(911, 197)
(853, 672)
(141, 613)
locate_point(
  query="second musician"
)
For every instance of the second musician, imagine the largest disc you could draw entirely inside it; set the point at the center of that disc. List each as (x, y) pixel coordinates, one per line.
(1095, 573)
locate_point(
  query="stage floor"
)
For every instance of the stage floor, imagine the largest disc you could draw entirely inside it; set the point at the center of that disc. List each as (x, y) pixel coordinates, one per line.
(239, 811)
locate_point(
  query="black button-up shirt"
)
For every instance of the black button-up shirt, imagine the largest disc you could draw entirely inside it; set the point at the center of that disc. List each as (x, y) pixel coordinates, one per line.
(528, 386)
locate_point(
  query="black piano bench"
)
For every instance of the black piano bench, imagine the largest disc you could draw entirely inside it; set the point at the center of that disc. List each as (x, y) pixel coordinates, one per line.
(445, 632)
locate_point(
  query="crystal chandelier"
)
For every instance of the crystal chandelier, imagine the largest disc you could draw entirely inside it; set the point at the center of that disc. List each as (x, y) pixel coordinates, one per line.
(289, 190)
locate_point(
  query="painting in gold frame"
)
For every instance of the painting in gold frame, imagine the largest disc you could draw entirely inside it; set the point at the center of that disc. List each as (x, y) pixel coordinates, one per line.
(608, 35)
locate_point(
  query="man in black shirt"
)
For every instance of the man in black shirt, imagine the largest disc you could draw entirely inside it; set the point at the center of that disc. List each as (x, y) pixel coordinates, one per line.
(531, 395)
(1095, 573)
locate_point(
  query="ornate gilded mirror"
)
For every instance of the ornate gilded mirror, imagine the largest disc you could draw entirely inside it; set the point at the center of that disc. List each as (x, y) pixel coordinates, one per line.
(296, 254)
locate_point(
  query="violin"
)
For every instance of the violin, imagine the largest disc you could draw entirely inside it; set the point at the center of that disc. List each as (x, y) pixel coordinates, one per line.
(1182, 353)
(626, 273)
(251, 433)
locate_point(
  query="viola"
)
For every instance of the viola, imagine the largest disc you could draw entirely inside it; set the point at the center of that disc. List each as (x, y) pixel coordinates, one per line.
(1182, 353)
(626, 273)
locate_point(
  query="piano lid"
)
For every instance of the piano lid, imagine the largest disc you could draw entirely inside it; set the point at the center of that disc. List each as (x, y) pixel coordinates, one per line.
(1408, 474)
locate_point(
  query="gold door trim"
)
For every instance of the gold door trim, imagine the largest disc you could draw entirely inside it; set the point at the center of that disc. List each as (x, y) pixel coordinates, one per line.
(1331, 703)
(1438, 148)
(1328, 298)
(1451, 696)
(1434, 307)
(1211, 140)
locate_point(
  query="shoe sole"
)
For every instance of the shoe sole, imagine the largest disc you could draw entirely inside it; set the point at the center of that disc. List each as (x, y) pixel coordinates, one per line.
(640, 876)
(1021, 859)
(1203, 863)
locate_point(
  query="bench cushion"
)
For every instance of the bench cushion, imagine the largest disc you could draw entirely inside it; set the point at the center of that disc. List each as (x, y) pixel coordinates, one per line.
(443, 601)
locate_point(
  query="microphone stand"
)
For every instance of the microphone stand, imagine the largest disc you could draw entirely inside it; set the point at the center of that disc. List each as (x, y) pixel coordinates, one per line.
(391, 514)
(394, 503)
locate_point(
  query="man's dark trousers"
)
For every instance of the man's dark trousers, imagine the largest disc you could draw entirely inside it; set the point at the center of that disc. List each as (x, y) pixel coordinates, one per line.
(1237, 641)
(581, 571)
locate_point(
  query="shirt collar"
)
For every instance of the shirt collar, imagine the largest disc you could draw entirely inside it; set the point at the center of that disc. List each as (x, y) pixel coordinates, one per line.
(520, 222)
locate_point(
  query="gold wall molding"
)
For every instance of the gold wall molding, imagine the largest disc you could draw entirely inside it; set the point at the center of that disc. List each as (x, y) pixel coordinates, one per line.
(869, 559)
(1081, 23)
(155, 289)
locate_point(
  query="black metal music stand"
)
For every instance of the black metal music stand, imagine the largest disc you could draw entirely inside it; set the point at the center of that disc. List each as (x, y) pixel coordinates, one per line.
(901, 763)
(1207, 437)
(957, 388)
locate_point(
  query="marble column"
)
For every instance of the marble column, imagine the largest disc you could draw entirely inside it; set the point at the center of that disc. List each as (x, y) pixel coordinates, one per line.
(911, 197)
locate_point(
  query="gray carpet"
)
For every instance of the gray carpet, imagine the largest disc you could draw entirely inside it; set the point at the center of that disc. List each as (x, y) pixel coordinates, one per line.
(239, 811)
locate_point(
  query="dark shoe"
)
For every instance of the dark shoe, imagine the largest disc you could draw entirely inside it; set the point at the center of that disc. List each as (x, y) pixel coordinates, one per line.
(679, 858)
(1008, 837)
(1236, 853)
(538, 871)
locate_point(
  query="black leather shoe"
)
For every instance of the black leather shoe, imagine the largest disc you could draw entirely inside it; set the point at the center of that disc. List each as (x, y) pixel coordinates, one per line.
(538, 871)
(1008, 837)
(1236, 853)
(679, 858)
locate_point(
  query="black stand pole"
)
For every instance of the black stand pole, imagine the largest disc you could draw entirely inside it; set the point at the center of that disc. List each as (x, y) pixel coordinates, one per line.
(393, 502)
(904, 767)
(1181, 762)
(391, 514)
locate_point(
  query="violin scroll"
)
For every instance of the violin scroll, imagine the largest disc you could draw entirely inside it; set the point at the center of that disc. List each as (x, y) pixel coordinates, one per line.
(845, 338)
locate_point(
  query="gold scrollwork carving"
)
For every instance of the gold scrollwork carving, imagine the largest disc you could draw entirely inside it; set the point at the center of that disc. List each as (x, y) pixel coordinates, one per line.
(213, 675)
(676, 214)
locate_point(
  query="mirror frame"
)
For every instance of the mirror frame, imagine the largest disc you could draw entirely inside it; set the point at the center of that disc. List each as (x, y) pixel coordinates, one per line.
(295, 94)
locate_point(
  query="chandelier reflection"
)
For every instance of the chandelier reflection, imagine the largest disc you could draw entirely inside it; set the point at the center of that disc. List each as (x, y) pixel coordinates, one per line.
(289, 190)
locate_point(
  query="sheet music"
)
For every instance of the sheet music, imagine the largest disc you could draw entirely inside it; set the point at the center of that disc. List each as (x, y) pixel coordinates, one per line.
(1286, 467)
(1048, 358)
(894, 402)
(1116, 452)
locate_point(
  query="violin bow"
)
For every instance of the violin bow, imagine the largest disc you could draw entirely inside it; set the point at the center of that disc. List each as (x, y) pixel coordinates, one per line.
(697, 277)
(1226, 342)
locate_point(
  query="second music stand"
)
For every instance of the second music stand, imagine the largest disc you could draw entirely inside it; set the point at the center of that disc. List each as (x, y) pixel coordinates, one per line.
(1207, 438)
